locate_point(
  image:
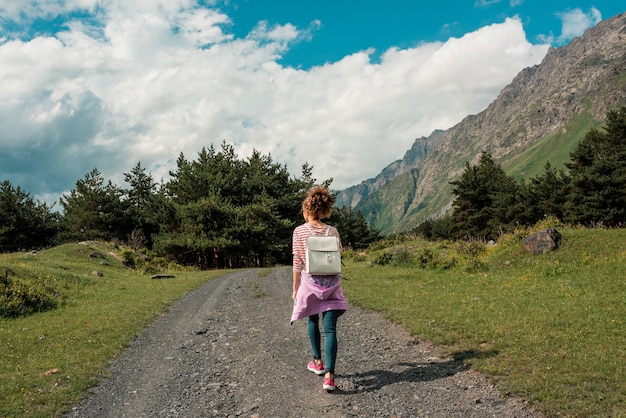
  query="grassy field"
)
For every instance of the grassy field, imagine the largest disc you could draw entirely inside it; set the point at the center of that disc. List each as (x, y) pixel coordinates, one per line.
(550, 328)
(50, 359)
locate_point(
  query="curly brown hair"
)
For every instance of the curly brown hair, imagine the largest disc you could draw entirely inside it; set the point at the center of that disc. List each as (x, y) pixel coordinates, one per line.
(319, 202)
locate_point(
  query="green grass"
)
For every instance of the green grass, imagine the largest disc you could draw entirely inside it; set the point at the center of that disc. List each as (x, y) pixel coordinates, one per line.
(550, 328)
(50, 359)
(555, 148)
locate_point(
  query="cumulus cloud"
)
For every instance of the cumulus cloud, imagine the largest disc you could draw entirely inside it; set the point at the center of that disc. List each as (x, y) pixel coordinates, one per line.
(575, 22)
(28, 10)
(146, 81)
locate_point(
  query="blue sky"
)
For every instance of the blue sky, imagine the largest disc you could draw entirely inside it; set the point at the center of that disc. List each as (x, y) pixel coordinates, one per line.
(348, 26)
(346, 86)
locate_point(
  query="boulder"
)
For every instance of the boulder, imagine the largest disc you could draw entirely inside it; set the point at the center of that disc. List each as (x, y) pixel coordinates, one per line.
(543, 241)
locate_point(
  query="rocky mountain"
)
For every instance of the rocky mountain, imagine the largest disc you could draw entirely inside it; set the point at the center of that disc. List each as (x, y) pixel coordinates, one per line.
(539, 117)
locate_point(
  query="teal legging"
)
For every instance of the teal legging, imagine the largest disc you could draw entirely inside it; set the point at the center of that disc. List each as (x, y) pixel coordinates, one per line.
(329, 323)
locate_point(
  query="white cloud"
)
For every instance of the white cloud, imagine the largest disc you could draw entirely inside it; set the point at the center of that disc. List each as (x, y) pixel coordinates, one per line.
(485, 3)
(575, 22)
(24, 10)
(167, 78)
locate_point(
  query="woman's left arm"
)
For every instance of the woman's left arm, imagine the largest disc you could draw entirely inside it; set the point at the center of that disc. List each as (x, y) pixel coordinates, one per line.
(296, 283)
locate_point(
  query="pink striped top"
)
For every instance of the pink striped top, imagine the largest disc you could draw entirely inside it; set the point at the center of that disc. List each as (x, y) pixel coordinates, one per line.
(300, 235)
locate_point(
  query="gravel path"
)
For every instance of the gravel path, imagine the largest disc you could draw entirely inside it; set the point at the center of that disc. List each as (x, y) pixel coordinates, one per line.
(227, 350)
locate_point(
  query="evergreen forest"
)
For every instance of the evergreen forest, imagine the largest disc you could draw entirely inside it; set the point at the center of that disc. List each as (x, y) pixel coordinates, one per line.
(589, 191)
(221, 211)
(218, 211)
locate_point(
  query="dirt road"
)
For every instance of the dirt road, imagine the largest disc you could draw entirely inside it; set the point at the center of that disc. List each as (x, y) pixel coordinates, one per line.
(228, 350)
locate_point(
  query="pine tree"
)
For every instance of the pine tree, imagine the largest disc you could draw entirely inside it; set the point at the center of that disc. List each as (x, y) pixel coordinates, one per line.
(548, 194)
(94, 210)
(141, 198)
(24, 222)
(598, 175)
(355, 233)
(485, 200)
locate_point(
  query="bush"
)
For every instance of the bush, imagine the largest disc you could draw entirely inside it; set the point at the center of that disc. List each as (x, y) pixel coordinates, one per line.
(548, 222)
(426, 257)
(21, 296)
(402, 256)
(383, 259)
(472, 249)
(153, 265)
(129, 257)
(415, 254)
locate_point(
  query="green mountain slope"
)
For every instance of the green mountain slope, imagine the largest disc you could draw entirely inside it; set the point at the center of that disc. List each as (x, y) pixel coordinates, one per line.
(554, 148)
(541, 116)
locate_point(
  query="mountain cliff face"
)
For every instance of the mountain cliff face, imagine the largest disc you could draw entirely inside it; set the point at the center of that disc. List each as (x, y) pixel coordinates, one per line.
(539, 117)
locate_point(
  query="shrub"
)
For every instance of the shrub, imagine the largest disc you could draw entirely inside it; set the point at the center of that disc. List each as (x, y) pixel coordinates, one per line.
(129, 257)
(383, 259)
(137, 240)
(472, 249)
(426, 257)
(359, 258)
(21, 296)
(548, 222)
(402, 256)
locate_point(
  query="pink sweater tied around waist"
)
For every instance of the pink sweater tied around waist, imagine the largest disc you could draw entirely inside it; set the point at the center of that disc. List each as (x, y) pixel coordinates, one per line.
(318, 294)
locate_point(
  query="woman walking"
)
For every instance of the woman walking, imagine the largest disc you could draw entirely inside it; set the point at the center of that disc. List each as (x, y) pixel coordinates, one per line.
(317, 296)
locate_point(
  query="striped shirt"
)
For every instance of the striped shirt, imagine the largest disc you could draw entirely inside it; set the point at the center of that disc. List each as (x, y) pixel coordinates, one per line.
(300, 234)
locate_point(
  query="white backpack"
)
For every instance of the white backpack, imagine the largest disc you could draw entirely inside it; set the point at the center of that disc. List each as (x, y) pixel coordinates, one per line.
(323, 256)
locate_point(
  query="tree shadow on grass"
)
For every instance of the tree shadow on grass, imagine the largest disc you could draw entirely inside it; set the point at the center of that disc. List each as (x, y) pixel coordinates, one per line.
(375, 380)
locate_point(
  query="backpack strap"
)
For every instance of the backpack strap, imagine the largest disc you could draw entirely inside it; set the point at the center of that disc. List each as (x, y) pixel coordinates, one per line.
(313, 233)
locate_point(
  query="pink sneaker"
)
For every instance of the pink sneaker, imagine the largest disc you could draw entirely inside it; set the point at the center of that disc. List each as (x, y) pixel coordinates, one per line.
(329, 384)
(316, 368)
